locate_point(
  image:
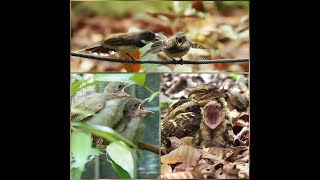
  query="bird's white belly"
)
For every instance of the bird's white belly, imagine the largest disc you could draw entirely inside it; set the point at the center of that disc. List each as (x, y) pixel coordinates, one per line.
(125, 49)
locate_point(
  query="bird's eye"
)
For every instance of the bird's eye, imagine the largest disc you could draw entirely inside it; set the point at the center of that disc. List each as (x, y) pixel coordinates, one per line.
(135, 105)
(202, 92)
(120, 86)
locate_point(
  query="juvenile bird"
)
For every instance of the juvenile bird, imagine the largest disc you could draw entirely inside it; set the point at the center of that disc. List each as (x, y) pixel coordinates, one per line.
(204, 115)
(94, 103)
(125, 42)
(132, 126)
(176, 46)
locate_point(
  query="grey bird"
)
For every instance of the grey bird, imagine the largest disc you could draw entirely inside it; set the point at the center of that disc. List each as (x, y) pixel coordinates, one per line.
(176, 46)
(94, 104)
(132, 126)
(125, 42)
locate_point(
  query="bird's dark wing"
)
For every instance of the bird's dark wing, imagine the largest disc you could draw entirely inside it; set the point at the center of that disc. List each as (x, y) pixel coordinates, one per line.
(196, 45)
(156, 47)
(90, 104)
(183, 124)
(121, 39)
(178, 103)
(184, 120)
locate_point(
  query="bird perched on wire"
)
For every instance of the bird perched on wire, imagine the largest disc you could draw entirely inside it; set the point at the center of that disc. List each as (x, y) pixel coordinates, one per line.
(131, 124)
(102, 108)
(125, 42)
(176, 46)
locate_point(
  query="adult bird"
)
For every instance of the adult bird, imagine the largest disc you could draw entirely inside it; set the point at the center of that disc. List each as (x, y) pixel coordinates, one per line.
(125, 42)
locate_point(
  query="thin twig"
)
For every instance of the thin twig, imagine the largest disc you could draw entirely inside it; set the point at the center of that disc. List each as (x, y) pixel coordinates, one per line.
(149, 147)
(120, 60)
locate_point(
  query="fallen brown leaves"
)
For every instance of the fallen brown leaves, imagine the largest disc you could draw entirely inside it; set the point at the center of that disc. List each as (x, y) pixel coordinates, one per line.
(189, 162)
(183, 159)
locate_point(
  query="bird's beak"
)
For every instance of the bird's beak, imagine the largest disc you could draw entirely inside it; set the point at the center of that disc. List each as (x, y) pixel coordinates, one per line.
(123, 93)
(159, 37)
(180, 42)
(142, 111)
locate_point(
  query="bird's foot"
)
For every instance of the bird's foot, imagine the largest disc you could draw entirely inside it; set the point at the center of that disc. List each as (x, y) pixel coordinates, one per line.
(132, 58)
(181, 61)
(173, 59)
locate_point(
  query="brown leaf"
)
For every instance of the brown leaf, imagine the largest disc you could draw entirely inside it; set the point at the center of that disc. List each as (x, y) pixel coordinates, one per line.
(165, 168)
(244, 171)
(231, 170)
(213, 158)
(235, 154)
(129, 66)
(175, 142)
(182, 175)
(185, 154)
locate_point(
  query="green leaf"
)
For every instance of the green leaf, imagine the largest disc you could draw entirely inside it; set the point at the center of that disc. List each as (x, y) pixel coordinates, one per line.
(214, 52)
(138, 79)
(228, 31)
(105, 132)
(76, 77)
(235, 76)
(80, 148)
(121, 154)
(150, 57)
(94, 152)
(153, 95)
(76, 86)
(164, 105)
(76, 173)
(80, 111)
(182, 68)
(113, 77)
(163, 69)
(122, 174)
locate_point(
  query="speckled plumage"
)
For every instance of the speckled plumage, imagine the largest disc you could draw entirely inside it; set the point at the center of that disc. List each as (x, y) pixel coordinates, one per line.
(204, 115)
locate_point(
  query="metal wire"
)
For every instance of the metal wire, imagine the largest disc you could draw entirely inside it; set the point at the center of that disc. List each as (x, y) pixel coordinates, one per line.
(120, 60)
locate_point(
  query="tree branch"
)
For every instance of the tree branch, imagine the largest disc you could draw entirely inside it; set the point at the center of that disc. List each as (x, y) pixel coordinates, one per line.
(149, 147)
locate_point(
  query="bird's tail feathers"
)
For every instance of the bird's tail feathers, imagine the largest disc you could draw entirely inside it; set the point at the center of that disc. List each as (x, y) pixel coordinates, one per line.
(197, 46)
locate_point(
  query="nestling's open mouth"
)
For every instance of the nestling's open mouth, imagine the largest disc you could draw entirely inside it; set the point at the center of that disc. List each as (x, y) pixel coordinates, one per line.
(212, 116)
(142, 111)
(123, 90)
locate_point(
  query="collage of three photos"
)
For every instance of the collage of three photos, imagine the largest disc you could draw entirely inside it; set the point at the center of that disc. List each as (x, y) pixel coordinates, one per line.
(160, 90)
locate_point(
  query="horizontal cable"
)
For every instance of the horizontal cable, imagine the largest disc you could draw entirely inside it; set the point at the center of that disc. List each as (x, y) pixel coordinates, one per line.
(120, 60)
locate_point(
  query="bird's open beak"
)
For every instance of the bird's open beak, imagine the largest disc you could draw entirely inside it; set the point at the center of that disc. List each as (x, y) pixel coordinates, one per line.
(180, 41)
(123, 93)
(142, 111)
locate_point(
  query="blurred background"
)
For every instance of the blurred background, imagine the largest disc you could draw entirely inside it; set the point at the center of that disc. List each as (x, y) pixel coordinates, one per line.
(148, 163)
(221, 26)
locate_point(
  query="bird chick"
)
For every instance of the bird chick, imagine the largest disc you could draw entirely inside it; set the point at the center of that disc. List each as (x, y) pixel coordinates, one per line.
(125, 42)
(96, 102)
(176, 46)
(132, 126)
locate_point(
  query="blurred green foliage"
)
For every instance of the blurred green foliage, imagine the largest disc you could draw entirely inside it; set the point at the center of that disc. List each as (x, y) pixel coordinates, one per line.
(120, 8)
(225, 5)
